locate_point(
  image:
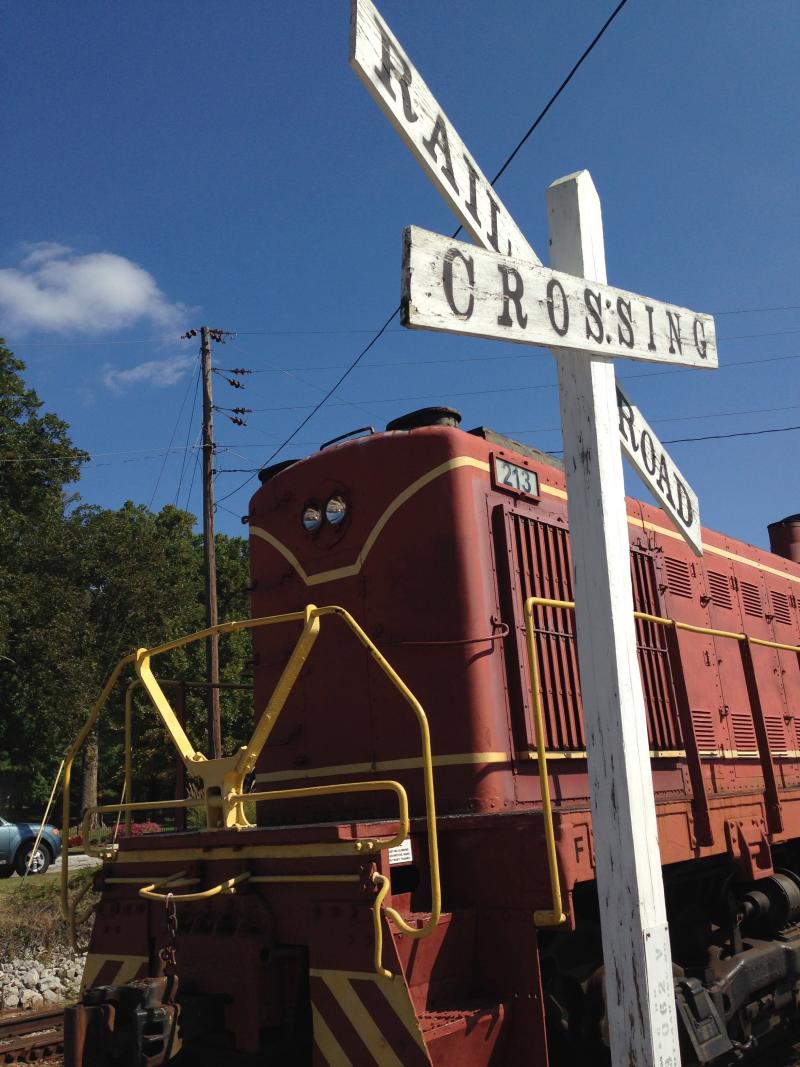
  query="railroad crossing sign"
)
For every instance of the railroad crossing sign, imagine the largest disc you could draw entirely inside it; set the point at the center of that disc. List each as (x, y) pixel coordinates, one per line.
(395, 84)
(455, 287)
(636, 951)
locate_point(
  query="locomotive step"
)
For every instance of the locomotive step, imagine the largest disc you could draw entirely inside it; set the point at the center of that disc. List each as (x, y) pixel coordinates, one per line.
(474, 1031)
(439, 968)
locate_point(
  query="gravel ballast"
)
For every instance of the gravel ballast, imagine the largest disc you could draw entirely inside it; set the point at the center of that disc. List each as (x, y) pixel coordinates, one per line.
(29, 984)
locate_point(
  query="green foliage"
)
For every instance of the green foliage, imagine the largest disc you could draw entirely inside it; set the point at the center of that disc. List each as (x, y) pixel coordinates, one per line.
(80, 587)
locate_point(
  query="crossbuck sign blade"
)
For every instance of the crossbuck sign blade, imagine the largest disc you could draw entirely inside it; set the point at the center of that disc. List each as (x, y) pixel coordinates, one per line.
(392, 80)
(452, 286)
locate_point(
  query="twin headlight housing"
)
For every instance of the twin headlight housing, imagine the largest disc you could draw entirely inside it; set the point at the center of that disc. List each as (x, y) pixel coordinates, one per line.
(334, 512)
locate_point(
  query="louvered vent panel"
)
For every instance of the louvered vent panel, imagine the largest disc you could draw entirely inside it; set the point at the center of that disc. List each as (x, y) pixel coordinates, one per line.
(751, 600)
(704, 732)
(719, 588)
(545, 571)
(780, 607)
(651, 642)
(679, 579)
(776, 735)
(796, 725)
(744, 734)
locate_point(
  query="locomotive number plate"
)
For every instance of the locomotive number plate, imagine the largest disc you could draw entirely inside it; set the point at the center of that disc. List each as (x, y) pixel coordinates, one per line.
(513, 478)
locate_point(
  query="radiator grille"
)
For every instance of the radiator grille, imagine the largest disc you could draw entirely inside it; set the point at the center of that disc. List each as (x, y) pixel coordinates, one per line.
(744, 734)
(543, 565)
(719, 587)
(776, 735)
(780, 607)
(544, 570)
(651, 643)
(679, 579)
(751, 600)
(704, 732)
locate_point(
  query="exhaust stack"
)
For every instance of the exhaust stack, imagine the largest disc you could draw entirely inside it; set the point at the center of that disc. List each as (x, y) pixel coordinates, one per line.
(784, 537)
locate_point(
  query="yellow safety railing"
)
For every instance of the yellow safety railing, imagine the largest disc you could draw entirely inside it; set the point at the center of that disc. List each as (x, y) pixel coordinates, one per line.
(555, 915)
(223, 778)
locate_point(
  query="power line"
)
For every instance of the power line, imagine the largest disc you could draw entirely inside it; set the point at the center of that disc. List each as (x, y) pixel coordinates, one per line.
(194, 470)
(188, 432)
(584, 55)
(536, 353)
(169, 446)
(79, 341)
(519, 388)
(184, 450)
(724, 436)
(325, 398)
(139, 455)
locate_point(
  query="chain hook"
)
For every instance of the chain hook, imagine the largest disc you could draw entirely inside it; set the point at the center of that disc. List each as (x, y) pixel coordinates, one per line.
(168, 954)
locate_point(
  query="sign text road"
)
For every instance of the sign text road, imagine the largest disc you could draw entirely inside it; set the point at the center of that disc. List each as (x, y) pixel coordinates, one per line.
(656, 469)
(452, 286)
(392, 80)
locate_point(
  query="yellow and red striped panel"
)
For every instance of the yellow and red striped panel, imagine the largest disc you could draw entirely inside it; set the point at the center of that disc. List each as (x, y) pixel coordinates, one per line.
(108, 969)
(361, 1019)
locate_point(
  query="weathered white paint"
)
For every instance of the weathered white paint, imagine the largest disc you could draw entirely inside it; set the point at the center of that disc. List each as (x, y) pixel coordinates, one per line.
(392, 80)
(642, 1020)
(658, 472)
(452, 286)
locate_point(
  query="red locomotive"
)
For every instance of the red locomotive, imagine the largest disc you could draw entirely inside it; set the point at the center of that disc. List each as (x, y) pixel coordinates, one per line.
(408, 895)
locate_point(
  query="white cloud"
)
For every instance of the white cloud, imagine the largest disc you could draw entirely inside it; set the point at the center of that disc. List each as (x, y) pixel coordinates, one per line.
(55, 289)
(157, 372)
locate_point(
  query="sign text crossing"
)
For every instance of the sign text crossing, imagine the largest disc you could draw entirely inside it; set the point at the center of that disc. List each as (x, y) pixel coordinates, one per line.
(452, 286)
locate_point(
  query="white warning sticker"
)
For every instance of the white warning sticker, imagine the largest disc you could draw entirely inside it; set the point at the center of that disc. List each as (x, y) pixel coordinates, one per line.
(401, 853)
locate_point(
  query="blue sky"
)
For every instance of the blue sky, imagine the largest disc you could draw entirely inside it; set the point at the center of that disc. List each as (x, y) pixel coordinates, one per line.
(170, 165)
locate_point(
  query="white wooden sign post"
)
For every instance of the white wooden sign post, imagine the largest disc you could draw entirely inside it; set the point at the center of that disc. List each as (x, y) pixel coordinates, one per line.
(640, 998)
(534, 305)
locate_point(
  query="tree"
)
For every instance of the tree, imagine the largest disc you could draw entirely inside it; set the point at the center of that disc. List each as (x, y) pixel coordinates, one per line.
(80, 587)
(38, 638)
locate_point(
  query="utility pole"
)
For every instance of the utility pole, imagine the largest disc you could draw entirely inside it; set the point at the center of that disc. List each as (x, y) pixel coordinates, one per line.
(212, 642)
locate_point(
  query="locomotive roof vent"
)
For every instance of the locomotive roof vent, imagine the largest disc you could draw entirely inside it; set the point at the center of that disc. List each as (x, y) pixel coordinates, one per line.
(425, 417)
(784, 537)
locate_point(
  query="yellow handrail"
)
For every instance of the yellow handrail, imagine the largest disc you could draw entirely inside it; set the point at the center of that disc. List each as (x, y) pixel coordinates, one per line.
(376, 844)
(228, 886)
(555, 915)
(427, 773)
(68, 761)
(106, 851)
(383, 884)
(223, 778)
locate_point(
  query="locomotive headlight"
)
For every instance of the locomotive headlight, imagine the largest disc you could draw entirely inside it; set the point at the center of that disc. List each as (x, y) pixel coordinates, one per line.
(336, 511)
(312, 517)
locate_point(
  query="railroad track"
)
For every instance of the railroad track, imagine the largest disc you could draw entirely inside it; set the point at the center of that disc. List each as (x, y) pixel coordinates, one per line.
(31, 1037)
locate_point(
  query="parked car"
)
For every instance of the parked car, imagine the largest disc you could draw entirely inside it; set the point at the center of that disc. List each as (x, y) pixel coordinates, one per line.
(17, 840)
